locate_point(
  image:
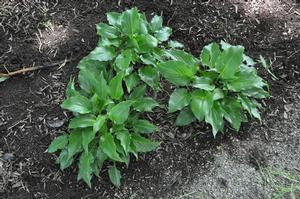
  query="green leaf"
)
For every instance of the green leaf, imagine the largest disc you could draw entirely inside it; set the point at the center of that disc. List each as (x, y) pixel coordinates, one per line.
(78, 104)
(130, 22)
(105, 42)
(150, 76)
(232, 113)
(93, 82)
(58, 143)
(125, 139)
(114, 176)
(109, 147)
(138, 92)
(215, 118)
(146, 42)
(175, 44)
(156, 23)
(85, 169)
(210, 54)
(87, 136)
(70, 90)
(204, 83)
(201, 104)
(185, 117)
(63, 159)
(123, 60)
(177, 72)
(82, 121)
(119, 113)
(263, 62)
(113, 18)
(107, 31)
(163, 34)
(144, 126)
(100, 158)
(249, 106)
(2, 79)
(148, 59)
(143, 144)
(187, 58)
(145, 104)
(100, 120)
(218, 94)
(131, 81)
(115, 86)
(103, 53)
(74, 145)
(244, 80)
(229, 62)
(179, 99)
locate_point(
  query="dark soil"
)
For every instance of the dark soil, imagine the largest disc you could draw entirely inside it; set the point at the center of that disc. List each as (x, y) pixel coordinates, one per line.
(41, 32)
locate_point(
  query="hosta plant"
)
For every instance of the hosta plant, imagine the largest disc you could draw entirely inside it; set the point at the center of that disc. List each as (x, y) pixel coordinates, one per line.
(222, 84)
(106, 126)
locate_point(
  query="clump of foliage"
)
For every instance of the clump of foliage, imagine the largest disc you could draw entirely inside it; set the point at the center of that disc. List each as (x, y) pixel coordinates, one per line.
(110, 100)
(223, 84)
(109, 104)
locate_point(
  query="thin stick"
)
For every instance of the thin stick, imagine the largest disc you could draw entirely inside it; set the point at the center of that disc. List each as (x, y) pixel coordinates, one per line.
(24, 70)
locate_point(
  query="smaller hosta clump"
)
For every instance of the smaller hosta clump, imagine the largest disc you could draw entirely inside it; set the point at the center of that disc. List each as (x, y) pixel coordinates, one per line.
(223, 84)
(106, 126)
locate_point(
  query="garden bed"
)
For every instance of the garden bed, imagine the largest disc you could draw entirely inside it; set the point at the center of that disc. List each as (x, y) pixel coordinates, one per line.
(190, 163)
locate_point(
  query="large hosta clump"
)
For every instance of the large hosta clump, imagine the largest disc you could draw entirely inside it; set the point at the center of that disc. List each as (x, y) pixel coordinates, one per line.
(108, 106)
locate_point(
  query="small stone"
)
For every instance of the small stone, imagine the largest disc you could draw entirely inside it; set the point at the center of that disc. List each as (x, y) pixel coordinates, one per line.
(56, 123)
(8, 156)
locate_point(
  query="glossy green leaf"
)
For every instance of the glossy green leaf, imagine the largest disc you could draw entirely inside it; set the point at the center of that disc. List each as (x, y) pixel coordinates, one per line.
(113, 18)
(78, 103)
(74, 144)
(82, 121)
(245, 80)
(150, 76)
(100, 120)
(185, 117)
(201, 104)
(114, 176)
(100, 158)
(107, 31)
(115, 87)
(123, 60)
(146, 42)
(2, 79)
(148, 59)
(109, 147)
(177, 72)
(103, 53)
(58, 143)
(156, 23)
(228, 64)
(215, 118)
(163, 34)
(145, 104)
(232, 113)
(63, 159)
(138, 92)
(175, 44)
(119, 113)
(187, 58)
(131, 81)
(143, 144)
(144, 126)
(130, 22)
(218, 94)
(179, 99)
(210, 54)
(85, 168)
(87, 136)
(249, 106)
(125, 139)
(204, 83)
